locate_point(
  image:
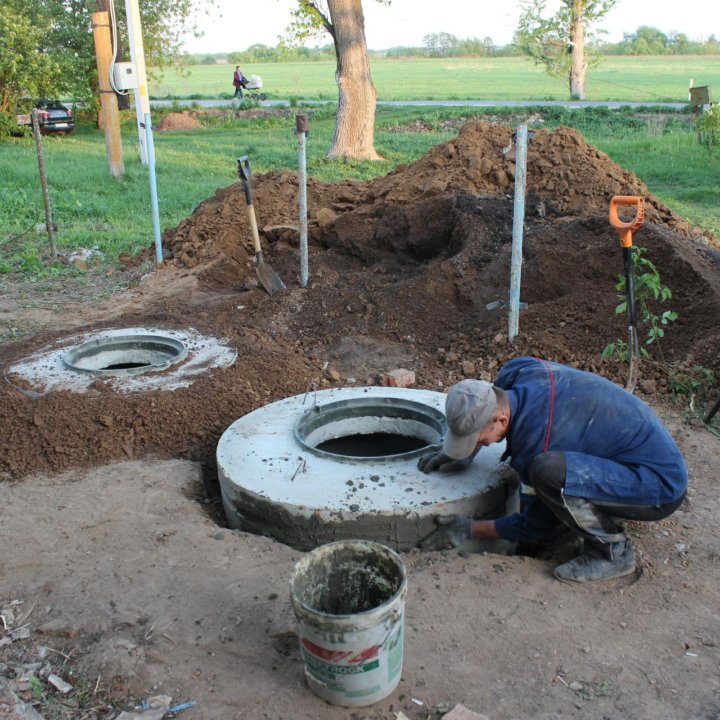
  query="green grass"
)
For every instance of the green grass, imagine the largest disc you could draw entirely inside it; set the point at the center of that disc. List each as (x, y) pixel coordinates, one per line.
(93, 209)
(622, 79)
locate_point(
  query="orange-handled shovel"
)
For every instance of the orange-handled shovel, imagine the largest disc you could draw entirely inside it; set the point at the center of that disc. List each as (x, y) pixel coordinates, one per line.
(625, 229)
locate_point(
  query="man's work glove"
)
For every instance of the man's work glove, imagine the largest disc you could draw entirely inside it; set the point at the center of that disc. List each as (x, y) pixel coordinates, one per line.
(452, 532)
(438, 460)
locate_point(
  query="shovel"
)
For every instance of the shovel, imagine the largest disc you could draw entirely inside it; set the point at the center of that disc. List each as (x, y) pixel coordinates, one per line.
(268, 277)
(625, 230)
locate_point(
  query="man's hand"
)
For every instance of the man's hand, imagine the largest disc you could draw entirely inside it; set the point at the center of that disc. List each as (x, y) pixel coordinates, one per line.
(452, 532)
(438, 460)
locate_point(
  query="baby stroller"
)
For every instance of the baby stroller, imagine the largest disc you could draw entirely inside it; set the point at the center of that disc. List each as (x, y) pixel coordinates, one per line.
(253, 86)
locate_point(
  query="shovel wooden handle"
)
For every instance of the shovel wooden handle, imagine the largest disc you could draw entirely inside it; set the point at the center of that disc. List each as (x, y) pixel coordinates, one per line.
(244, 173)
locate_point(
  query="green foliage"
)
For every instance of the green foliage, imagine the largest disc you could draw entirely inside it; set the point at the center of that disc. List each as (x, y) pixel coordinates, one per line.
(635, 44)
(28, 61)
(47, 48)
(36, 687)
(708, 126)
(440, 44)
(9, 126)
(548, 40)
(283, 53)
(648, 40)
(649, 291)
(690, 381)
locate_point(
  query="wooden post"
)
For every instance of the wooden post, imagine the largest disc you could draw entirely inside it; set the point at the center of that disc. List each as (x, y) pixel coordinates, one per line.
(43, 182)
(108, 99)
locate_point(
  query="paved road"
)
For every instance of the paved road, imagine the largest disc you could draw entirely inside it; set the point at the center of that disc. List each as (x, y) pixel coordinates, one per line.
(442, 103)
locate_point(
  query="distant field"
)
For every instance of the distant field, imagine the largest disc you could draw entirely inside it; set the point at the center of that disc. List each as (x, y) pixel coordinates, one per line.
(630, 79)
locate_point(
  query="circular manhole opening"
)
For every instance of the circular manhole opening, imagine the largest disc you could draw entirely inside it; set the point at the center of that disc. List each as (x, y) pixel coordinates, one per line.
(370, 429)
(125, 355)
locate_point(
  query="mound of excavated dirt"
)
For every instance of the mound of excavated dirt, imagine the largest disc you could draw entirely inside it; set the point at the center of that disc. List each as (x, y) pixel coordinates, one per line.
(179, 121)
(566, 177)
(405, 270)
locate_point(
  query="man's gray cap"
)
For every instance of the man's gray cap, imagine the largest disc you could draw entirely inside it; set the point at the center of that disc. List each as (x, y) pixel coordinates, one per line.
(469, 406)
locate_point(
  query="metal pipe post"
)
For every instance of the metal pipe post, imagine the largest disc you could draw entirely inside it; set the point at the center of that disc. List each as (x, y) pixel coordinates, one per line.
(301, 124)
(153, 189)
(517, 233)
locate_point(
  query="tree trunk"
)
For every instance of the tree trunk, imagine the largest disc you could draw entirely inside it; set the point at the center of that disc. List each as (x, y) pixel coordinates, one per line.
(578, 66)
(355, 122)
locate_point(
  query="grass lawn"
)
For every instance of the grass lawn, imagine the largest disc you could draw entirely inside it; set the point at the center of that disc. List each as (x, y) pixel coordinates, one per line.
(622, 79)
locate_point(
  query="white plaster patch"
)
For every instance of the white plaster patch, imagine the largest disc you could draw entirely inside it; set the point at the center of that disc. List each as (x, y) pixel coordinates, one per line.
(45, 371)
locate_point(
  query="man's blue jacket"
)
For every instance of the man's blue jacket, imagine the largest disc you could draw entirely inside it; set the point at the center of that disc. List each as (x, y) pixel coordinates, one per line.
(617, 449)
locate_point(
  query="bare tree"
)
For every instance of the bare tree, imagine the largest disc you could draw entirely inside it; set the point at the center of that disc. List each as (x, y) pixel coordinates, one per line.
(355, 121)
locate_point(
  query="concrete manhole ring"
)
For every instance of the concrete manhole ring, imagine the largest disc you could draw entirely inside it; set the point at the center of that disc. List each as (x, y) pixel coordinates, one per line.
(129, 354)
(304, 470)
(127, 359)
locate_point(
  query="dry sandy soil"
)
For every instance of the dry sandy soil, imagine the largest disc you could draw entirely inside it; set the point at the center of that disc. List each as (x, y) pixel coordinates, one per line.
(112, 538)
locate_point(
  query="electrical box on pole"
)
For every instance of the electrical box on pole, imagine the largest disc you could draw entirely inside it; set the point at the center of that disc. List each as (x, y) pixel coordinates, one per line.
(137, 55)
(125, 76)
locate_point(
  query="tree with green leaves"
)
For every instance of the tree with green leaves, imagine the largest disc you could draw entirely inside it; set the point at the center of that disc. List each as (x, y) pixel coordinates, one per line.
(27, 69)
(46, 46)
(440, 44)
(563, 42)
(344, 21)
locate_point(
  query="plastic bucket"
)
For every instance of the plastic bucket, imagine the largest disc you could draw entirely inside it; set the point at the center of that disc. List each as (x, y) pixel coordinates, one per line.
(349, 603)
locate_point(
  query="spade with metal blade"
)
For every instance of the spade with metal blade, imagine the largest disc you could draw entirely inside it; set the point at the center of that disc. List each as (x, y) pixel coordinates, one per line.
(268, 277)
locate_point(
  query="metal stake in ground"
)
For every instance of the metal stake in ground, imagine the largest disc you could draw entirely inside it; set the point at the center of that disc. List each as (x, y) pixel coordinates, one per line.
(153, 189)
(43, 182)
(268, 277)
(302, 127)
(517, 235)
(625, 230)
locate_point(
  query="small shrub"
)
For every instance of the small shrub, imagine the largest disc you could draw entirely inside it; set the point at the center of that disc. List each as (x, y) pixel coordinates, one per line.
(9, 126)
(708, 127)
(648, 288)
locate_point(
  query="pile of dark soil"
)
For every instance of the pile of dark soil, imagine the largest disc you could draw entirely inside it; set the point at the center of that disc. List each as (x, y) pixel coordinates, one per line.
(405, 270)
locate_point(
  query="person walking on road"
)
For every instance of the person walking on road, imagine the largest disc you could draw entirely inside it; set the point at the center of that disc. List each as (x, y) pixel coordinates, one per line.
(590, 454)
(239, 81)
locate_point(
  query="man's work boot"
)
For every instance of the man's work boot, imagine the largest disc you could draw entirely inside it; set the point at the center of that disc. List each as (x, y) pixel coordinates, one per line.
(598, 562)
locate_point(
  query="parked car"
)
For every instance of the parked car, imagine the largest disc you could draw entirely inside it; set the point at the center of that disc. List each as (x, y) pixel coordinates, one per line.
(53, 117)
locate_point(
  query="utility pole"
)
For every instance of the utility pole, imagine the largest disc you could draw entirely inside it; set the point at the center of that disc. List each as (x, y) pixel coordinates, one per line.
(123, 99)
(137, 56)
(108, 99)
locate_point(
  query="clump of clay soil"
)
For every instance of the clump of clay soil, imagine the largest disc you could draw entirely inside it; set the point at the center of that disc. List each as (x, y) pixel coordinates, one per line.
(407, 270)
(179, 121)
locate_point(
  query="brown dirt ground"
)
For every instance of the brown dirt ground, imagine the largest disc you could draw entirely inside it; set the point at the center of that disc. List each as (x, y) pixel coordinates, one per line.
(179, 121)
(110, 529)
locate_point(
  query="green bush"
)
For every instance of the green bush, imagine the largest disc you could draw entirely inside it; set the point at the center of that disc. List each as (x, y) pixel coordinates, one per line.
(708, 127)
(9, 126)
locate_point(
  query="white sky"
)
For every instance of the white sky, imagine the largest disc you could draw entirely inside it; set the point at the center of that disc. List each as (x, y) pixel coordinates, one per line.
(406, 22)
